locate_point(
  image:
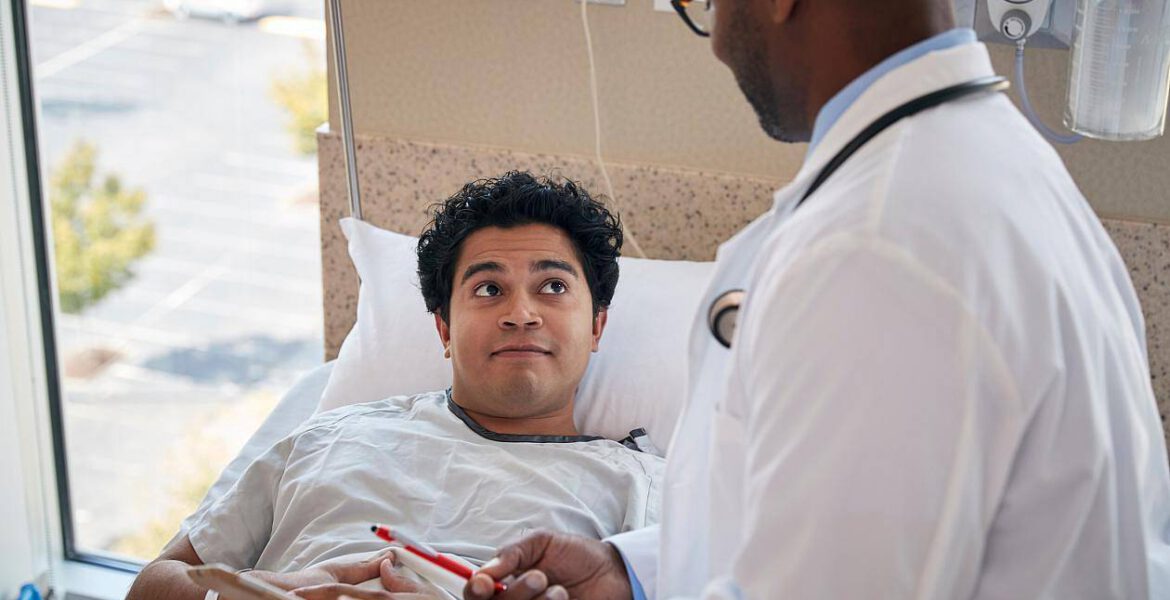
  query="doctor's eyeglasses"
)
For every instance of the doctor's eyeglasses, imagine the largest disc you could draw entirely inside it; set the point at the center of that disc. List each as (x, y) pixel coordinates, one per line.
(698, 18)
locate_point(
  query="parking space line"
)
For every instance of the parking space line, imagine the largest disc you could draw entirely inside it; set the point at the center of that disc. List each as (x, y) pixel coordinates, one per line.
(104, 76)
(273, 165)
(250, 277)
(261, 219)
(184, 293)
(154, 47)
(223, 183)
(90, 48)
(241, 246)
(126, 331)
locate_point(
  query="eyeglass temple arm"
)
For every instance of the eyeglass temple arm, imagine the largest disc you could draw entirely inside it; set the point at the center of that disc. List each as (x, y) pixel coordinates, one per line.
(680, 6)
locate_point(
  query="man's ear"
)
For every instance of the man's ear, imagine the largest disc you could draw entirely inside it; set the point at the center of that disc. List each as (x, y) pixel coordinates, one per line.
(443, 329)
(599, 327)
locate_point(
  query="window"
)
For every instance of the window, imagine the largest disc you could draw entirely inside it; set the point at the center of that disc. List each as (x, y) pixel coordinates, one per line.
(177, 146)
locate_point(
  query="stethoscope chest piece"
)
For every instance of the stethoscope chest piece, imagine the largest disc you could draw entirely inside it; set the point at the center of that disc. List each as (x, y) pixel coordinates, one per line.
(723, 315)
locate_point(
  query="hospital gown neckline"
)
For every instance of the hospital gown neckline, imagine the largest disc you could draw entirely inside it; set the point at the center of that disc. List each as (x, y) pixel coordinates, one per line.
(486, 433)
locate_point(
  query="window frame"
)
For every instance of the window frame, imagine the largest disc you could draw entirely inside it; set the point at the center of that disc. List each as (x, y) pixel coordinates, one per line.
(99, 575)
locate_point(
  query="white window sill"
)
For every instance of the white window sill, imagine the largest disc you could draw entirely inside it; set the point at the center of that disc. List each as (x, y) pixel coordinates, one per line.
(84, 581)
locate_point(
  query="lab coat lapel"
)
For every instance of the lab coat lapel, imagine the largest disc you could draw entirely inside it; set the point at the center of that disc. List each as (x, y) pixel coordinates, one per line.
(933, 72)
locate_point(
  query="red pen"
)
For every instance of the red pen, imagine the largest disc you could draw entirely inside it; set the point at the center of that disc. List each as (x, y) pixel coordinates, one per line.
(426, 552)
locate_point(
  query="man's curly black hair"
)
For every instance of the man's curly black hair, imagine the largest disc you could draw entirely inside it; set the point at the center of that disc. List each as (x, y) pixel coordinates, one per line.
(514, 199)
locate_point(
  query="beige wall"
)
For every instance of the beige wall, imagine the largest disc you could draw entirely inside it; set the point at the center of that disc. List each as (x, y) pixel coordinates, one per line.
(1121, 180)
(514, 74)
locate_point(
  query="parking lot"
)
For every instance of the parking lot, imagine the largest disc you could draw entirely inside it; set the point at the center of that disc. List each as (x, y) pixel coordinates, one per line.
(226, 310)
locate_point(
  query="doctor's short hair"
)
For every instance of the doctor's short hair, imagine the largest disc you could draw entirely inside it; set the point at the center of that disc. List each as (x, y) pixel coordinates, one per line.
(514, 199)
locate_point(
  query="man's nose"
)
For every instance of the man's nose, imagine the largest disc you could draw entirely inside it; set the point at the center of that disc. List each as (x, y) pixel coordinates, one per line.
(520, 314)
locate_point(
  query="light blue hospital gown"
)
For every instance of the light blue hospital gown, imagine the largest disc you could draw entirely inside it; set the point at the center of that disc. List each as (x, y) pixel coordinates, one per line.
(421, 464)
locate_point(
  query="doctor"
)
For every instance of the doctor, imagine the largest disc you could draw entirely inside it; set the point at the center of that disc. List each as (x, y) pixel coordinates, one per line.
(921, 374)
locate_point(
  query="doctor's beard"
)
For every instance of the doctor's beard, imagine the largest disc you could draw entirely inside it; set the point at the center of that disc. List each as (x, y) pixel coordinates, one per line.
(781, 112)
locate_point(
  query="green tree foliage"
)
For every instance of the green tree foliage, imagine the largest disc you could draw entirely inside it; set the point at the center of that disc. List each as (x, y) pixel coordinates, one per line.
(98, 230)
(304, 96)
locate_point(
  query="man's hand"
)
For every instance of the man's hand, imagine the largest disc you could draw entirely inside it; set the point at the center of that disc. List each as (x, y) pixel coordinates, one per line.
(554, 566)
(391, 584)
(347, 573)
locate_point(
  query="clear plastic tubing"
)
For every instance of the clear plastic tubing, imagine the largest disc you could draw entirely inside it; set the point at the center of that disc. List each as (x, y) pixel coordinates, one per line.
(1119, 78)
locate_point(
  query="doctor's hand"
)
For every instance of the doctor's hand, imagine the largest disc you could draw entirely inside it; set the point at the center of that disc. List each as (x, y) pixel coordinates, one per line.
(553, 566)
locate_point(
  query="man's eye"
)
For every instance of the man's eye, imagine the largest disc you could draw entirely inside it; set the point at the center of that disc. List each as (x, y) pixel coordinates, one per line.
(554, 287)
(487, 290)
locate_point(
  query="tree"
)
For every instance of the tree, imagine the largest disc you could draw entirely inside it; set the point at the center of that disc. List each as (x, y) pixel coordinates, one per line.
(98, 230)
(305, 97)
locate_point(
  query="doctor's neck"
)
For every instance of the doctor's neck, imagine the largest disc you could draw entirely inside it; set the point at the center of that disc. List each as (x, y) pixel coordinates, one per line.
(843, 39)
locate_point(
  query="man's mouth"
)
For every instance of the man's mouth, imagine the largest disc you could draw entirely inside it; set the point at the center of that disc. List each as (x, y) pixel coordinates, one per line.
(521, 351)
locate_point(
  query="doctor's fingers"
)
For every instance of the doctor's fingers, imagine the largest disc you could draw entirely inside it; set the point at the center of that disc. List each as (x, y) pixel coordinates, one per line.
(529, 586)
(336, 591)
(519, 557)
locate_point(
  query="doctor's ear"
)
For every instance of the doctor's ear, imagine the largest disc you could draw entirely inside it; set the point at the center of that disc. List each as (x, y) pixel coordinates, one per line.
(780, 11)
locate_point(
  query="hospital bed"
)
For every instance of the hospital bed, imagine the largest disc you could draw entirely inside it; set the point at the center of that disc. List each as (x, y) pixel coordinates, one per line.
(635, 383)
(633, 387)
(303, 399)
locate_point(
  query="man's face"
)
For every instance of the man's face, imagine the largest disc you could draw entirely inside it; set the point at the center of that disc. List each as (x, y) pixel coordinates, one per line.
(741, 40)
(520, 321)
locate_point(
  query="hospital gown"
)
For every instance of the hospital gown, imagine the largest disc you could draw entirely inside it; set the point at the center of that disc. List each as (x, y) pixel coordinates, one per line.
(419, 463)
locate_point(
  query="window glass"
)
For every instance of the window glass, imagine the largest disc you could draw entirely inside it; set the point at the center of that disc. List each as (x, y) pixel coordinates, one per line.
(177, 142)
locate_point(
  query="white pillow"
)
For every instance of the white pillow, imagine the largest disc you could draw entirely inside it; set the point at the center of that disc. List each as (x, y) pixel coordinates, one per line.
(637, 378)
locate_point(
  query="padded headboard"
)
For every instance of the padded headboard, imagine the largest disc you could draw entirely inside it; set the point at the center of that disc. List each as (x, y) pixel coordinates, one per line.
(675, 214)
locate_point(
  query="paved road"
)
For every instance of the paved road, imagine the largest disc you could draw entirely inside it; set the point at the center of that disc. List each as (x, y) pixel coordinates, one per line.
(228, 306)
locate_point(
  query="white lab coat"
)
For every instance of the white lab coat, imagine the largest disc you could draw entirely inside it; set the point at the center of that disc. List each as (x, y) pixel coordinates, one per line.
(938, 387)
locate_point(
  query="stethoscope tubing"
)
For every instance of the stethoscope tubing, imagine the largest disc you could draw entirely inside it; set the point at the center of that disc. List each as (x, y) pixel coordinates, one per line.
(724, 311)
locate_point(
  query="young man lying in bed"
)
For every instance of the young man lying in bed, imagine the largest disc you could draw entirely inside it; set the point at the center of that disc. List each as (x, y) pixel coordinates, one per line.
(518, 273)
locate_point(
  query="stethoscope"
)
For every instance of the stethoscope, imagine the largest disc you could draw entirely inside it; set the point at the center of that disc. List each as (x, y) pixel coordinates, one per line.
(724, 311)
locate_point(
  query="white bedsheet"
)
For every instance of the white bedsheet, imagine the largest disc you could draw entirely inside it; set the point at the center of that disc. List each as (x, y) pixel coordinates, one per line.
(412, 463)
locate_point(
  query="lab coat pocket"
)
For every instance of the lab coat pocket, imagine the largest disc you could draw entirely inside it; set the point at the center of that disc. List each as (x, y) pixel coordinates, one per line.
(728, 458)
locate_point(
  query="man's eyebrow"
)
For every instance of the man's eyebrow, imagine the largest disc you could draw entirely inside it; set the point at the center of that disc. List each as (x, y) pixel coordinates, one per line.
(480, 268)
(553, 265)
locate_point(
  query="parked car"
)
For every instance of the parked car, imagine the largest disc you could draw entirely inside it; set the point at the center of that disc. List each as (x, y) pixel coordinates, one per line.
(229, 11)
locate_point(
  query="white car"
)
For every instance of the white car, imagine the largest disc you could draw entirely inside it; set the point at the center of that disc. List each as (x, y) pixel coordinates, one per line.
(230, 11)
